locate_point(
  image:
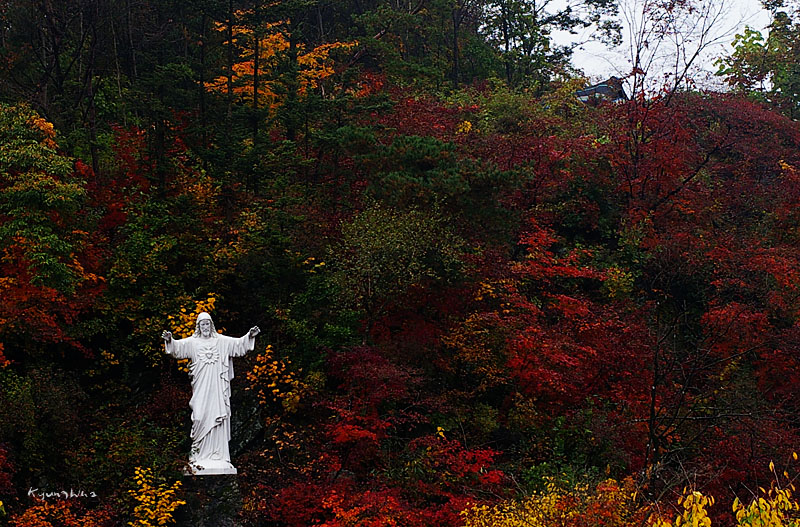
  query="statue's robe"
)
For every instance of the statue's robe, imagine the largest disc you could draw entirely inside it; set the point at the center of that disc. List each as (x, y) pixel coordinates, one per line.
(211, 370)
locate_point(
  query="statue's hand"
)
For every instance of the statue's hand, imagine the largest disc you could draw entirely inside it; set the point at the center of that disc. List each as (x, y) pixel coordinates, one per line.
(254, 331)
(167, 336)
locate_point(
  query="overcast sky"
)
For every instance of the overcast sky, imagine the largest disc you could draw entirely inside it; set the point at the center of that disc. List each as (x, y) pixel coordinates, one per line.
(600, 62)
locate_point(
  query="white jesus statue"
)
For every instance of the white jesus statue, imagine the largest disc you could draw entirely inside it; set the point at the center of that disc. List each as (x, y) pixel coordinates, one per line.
(211, 370)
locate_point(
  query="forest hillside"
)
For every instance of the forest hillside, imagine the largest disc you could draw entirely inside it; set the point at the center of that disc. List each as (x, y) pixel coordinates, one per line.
(483, 301)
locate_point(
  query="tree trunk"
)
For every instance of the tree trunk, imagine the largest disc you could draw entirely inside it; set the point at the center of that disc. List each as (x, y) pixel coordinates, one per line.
(90, 89)
(202, 72)
(256, 65)
(456, 24)
(130, 42)
(292, 84)
(230, 62)
(507, 41)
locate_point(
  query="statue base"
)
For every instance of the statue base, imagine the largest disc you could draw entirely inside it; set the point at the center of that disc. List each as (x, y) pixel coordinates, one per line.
(210, 502)
(209, 467)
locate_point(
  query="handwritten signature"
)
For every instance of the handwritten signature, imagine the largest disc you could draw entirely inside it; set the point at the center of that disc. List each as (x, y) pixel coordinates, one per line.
(60, 494)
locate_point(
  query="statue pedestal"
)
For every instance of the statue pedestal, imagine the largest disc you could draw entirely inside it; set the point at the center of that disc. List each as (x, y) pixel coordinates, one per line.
(210, 467)
(211, 501)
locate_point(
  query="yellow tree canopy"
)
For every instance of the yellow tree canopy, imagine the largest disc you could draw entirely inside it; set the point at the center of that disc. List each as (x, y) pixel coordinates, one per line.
(314, 65)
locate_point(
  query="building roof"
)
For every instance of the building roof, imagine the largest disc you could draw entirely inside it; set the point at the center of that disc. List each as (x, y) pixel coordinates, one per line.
(609, 90)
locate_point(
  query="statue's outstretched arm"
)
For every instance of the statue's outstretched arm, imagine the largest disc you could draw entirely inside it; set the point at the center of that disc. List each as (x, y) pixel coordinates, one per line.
(176, 348)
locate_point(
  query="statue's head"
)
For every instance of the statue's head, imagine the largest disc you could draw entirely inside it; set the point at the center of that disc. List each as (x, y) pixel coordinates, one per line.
(205, 326)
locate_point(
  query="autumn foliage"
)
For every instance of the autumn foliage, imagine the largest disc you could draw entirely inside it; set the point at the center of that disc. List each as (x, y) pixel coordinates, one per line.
(482, 303)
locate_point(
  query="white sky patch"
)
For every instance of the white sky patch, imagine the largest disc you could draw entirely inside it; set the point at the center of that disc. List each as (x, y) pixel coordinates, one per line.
(599, 62)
